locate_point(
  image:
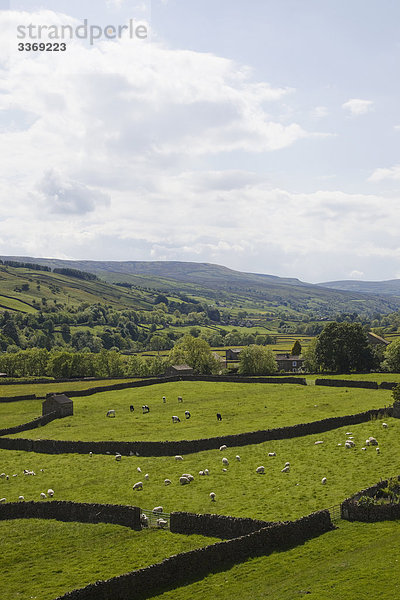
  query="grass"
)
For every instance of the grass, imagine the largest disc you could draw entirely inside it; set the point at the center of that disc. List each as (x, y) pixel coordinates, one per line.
(239, 491)
(44, 559)
(243, 407)
(348, 562)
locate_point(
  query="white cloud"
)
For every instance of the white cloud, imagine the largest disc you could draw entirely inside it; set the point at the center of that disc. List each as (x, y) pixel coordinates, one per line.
(356, 274)
(357, 107)
(320, 112)
(389, 173)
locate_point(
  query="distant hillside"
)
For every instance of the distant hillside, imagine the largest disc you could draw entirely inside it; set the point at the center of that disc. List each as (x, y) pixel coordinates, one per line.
(217, 282)
(390, 287)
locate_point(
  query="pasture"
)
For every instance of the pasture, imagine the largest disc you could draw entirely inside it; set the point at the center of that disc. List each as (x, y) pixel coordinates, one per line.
(244, 407)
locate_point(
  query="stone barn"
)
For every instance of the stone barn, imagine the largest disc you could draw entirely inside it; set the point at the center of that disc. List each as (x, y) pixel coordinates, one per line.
(58, 403)
(179, 370)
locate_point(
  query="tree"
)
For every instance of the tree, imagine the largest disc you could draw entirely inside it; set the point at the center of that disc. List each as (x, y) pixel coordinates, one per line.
(309, 359)
(257, 360)
(296, 349)
(343, 347)
(396, 393)
(196, 353)
(392, 356)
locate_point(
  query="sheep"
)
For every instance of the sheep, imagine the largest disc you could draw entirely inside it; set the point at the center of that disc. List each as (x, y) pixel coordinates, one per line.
(271, 453)
(363, 448)
(219, 417)
(180, 399)
(138, 486)
(377, 450)
(162, 523)
(144, 520)
(201, 473)
(260, 470)
(131, 408)
(384, 425)
(367, 442)
(147, 476)
(139, 470)
(373, 441)
(145, 409)
(187, 414)
(7, 477)
(224, 470)
(178, 457)
(110, 413)
(50, 492)
(225, 461)
(212, 496)
(287, 464)
(319, 442)
(164, 399)
(175, 419)
(237, 457)
(188, 475)
(27, 472)
(223, 447)
(183, 480)
(2, 475)
(167, 482)
(349, 444)
(90, 454)
(158, 509)
(118, 457)
(339, 444)
(3, 500)
(351, 437)
(349, 433)
(285, 469)
(21, 498)
(43, 495)
(323, 480)
(206, 472)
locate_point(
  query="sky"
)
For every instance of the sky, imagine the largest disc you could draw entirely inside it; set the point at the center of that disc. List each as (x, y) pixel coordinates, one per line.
(260, 135)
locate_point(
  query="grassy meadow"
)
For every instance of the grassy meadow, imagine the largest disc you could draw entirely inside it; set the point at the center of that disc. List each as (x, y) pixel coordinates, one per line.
(243, 407)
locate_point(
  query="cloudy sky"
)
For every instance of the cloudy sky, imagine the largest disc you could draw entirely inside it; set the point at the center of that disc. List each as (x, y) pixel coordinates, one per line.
(261, 135)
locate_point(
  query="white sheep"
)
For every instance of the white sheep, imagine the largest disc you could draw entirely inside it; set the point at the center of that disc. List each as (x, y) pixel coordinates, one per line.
(373, 441)
(224, 470)
(363, 448)
(287, 464)
(164, 399)
(43, 495)
(138, 486)
(367, 442)
(206, 472)
(2, 475)
(285, 469)
(183, 480)
(138, 469)
(188, 475)
(223, 447)
(50, 492)
(340, 444)
(21, 498)
(144, 520)
(323, 480)
(147, 476)
(260, 470)
(118, 457)
(167, 482)
(162, 523)
(349, 444)
(187, 414)
(349, 433)
(90, 453)
(384, 425)
(110, 413)
(225, 461)
(175, 419)
(319, 442)
(3, 500)
(158, 509)
(271, 453)
(237, 457)
(178, 457)
(377, 450)
(180, 399)
(201, 473)
(212, 496)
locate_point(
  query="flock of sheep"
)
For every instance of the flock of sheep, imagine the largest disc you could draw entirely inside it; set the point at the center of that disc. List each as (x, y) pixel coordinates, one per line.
(43, 495)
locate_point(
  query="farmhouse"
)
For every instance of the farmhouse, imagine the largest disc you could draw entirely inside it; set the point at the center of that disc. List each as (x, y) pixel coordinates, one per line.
(376, 340)
(288, 363)
(179, 370)
(233, 353)
(58, 403)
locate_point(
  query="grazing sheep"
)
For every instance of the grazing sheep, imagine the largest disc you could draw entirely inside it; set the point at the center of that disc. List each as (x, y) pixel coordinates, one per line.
(373, 441)
(223, 447)
(260, 470)
(323, 480)
(43, 495)
(28, 472)
(363, 448)
(225, 461)
(147, 476)
(2, 475)
(339, 444)
(178, 457)
(351, 437)
(175, 419)
(224, 470)
(349, 444)
(164, 399)
(138, 486)
(206, 472)
(21, 498)
(212, 496)
(237, 457)
(132, 408)
(384, 425)
(367, 442)
(162, 523)
(201, 473)
(167, 482)
(349, 433)
(219, 417)
(50, 492)
(7, 477)
(144, 520)
(180, 399)
(319, 442)
(287, 464)
(183, 480)
(285, 469)
(158, 509)
(377, 450)
(110, 413)
(271, 453)
(139, 470)
(187, 414)
(90, 453)
(145, 409)
(118, 457)
(188, 475)
(3, 500)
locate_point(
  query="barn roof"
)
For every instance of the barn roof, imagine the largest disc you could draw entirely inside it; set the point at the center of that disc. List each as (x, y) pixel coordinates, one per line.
(60, 398)
(181, 367)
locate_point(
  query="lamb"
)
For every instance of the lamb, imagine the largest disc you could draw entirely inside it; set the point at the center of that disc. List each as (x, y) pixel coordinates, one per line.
(110, 413)
(158, 509)
(285, 469)
(178, 457)
(162, 523)
(118, 457)
(50, 492)
(271, 453)
(175, 419)
(183, 480)
(138, 486)
(223, 447)
(237, 457)
(225, 461)
(43, 495)
(323, 480)
(212, 496)
(167, 482)
(219, 417)
(260, 470)
(384, 425)
(187, 414)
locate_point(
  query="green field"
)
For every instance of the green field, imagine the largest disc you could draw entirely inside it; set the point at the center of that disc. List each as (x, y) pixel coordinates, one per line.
(244, 407)
(44, 558)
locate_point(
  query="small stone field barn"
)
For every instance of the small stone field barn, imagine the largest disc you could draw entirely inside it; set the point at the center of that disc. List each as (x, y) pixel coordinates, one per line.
(288, 363)
(233, 353)
(179, 370)
(58, 403)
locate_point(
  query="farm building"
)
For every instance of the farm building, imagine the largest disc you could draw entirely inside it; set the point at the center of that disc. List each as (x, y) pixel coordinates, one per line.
(288, 363)
(233, 353)
(376, 340)
(58, 403)
(179, 370)
(220, 359)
